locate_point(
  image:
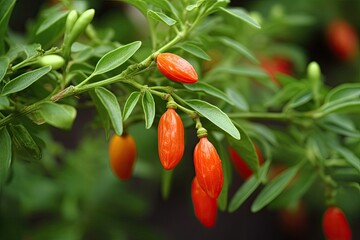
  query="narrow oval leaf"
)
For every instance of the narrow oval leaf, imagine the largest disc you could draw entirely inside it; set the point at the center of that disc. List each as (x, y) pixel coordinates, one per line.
(299, 99)
(241, 14)
(159, 16)
(247, 72)
(238, 47)
(50, 21)
(349, 156)
(207, 88)
(58, 115)
(295, 192)
(4, 102)
(344, 92)
(25, 143)
(238, 100)
(105, 120)
(23, 81)
(195, 50)
(130, 104)
(4, 64)
(343, 107)
(166, 183)
(5, 155)
(148, 105)
(248, 188)
(274, 188)
(116, 57)
(111, 104)
(214, 115)
(246, 149)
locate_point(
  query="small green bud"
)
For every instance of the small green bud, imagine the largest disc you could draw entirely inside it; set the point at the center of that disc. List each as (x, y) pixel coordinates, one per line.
(55, 61)
(313, 71)
(80, 25)
(70, 21)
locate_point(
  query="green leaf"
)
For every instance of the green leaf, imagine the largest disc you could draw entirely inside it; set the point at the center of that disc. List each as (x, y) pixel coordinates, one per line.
(238, 47)
(4, 102)
(51, 20)
(339, 124)
(295, 192)
(6, 7)
(349, 156)
(4, 63)
(246, 149)
(24, 142)
(240, 13)
(104, 116)
(248, 188)
(274, 188)
(5, 155)
(130, 104)
(343, 92)
(299, 99)
(339, 107)
(195, 50)
(285, 94)
(116, 57)
(247, 72)
(159, 16)
(23, 81)
(111, 104)
(58, 115)
(237, 99)
(139, 4)
(166, 183)
(148, 105)
(207, 88)
(215, 115)
(226, 166)
(298, 20)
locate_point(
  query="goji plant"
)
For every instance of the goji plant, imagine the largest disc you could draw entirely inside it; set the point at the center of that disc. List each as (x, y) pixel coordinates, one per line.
(207, 77)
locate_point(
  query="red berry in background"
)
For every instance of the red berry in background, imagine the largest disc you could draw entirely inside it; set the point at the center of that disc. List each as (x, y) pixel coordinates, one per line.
(276, 65)
(294, 220)
(170, 139)
(335, 225)
(240, 165)
(176, 68)
(205, 207)
(342, 39)
(208, 168)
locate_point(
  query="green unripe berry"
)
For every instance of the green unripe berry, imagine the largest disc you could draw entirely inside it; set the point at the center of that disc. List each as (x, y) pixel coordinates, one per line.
(55, 61)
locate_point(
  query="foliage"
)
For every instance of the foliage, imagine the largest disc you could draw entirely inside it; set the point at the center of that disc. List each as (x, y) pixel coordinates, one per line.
(298, 121)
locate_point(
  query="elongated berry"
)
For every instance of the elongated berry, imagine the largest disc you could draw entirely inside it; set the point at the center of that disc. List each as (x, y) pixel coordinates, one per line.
(240, 165)
(170, 139)
(122, 153)
(335, 225)
(208, 168)
(205, 207)
(176, 68)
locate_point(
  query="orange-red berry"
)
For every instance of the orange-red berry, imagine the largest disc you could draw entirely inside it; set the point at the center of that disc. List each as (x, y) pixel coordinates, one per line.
(335, 225)
(176, 68)
(122, 153)
(205, 207)
(170, 139)
(208, 168)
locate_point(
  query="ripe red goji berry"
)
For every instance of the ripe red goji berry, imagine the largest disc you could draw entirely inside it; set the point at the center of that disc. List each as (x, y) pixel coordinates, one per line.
(208, 168)
(170, 139)
(240, 165)
(276, 65)
(342, 39)
(335, 225)
(205, 207)
(122, 153)
(176, 68)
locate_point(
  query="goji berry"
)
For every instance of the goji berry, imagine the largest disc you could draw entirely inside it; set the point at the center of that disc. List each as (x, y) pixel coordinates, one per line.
(342, 39)
(208, 168)
(205, 207)
(122, 153)
(170, 139)
(176, 68)
(335, 225)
